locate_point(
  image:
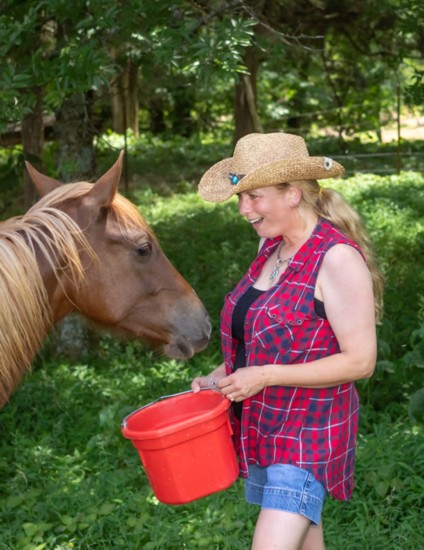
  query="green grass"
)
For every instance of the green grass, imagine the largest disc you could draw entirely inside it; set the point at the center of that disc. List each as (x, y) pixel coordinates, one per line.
(68, 479)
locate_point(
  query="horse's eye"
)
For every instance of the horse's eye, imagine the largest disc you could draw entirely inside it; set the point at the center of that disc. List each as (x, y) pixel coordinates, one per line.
(144, 250)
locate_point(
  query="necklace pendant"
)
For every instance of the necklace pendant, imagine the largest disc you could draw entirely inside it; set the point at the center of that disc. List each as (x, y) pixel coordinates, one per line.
(275, 271)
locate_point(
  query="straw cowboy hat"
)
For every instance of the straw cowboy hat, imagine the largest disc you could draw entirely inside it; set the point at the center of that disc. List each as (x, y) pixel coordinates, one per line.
(261, 160)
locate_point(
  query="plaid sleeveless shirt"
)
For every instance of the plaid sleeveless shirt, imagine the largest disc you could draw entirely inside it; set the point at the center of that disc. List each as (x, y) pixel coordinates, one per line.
(311, 428)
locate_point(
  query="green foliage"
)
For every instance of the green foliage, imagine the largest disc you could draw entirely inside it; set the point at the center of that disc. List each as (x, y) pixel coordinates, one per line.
(68, 48)
(393, 210)
(411, 24)
(162, 165)
(10, 181)
(416, 405)
(313, 72)
(385, 510)
(415, 91)
(328, 88)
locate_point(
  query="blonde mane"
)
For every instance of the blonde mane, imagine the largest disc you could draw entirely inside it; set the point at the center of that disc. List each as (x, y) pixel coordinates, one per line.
(25, 311)
(124, 212)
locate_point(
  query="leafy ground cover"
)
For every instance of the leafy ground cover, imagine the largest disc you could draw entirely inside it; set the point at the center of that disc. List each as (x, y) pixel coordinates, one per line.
(68, 479)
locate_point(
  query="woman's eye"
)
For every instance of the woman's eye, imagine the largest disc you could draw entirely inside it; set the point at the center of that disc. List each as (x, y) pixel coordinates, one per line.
(249, 196)
(144, 250)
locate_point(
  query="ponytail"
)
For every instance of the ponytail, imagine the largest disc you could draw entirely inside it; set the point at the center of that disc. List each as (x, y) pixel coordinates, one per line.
(330, 205)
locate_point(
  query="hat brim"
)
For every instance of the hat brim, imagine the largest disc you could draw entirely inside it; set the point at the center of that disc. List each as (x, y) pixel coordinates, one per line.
(215, 185)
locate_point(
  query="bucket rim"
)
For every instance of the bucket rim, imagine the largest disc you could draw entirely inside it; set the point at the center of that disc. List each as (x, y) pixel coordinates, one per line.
(132, 434)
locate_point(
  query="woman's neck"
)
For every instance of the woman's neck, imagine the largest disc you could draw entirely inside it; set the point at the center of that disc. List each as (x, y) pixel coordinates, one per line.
(299, 233)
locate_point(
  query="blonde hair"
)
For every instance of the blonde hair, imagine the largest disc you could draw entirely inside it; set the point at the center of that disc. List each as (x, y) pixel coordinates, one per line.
(330, 205)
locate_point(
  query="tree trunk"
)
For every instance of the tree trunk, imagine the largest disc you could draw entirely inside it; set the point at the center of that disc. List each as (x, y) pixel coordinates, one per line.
(125, 107)
(32, 135)
(246, 116)
(182, 121)
(74, 131)
(75, 162)
(157, 115)
(132, 98)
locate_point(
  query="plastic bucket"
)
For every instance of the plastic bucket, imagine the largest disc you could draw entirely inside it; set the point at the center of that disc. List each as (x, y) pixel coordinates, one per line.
(184, 442)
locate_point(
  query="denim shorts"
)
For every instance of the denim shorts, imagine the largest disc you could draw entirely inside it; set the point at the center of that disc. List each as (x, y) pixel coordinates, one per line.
(287, 488)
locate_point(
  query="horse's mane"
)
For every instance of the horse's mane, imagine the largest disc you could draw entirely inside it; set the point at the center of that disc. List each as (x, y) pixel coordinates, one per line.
(123, 211)
(25, 312)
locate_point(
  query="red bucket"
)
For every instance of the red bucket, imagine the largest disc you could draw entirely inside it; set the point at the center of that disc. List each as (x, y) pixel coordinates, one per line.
(184, 442)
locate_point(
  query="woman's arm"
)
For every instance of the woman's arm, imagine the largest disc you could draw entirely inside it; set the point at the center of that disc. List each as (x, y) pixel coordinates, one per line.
(344, 283)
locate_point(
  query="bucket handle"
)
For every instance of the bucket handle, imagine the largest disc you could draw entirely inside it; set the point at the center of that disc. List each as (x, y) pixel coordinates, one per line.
(124, 422)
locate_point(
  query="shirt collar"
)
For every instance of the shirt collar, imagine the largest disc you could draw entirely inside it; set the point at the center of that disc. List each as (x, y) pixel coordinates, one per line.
(297, 262)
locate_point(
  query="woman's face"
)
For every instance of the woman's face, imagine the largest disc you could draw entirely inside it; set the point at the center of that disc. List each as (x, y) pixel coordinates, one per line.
(267, 209)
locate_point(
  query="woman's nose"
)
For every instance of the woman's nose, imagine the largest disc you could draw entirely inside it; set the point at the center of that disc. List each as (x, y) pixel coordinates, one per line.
(243, 205)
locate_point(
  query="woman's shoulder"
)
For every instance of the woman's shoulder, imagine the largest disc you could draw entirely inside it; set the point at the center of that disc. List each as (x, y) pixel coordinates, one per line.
(332, 237)
(343, 257)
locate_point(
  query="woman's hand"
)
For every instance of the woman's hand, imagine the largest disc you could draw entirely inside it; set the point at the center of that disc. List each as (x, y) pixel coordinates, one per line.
(210, 381)
(203, 382)
(243, 383)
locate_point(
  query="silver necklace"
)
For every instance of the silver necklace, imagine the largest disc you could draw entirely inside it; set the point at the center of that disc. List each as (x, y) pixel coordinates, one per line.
(278, 263)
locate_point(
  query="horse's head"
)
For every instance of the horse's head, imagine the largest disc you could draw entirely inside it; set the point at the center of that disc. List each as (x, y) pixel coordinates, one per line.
(129, 285)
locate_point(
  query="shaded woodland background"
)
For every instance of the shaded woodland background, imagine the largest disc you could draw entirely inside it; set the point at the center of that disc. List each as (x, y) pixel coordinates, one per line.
(71, 71)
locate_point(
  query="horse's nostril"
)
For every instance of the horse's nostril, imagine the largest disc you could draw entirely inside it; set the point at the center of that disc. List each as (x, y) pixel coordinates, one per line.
(201, 344)
(185, 348)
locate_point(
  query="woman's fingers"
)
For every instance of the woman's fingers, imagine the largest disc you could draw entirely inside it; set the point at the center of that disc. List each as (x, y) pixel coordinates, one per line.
(241, 384)
(195, 385)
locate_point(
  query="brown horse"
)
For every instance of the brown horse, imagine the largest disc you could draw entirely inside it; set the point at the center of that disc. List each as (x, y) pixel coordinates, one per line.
(84, 248)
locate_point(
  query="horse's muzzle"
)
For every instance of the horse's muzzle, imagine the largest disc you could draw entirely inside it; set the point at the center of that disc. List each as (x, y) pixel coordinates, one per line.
(192, 336)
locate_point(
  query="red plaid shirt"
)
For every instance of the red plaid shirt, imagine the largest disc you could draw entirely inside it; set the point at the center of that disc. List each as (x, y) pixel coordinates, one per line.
(314, 429)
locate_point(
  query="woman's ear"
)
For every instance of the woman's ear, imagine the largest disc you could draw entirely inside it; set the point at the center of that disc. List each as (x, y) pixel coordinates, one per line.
(295, 196)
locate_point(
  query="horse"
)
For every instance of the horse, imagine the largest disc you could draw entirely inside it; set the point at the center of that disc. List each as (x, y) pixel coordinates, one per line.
(85, 248)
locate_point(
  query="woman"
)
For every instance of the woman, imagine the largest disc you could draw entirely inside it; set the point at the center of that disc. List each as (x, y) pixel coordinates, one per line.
(297, 331)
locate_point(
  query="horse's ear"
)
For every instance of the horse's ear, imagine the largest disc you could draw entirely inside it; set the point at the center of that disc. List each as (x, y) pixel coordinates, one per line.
(107, 186)
(42, 183)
